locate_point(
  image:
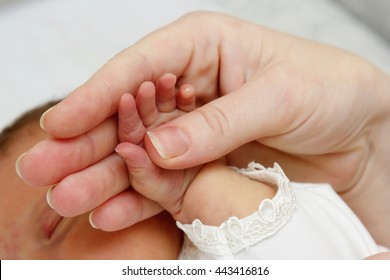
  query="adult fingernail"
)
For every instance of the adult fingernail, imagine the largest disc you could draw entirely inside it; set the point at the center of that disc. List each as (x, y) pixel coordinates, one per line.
(48, 197)
(42, 119)
(169, 141)
(17, 165)
(91, 220)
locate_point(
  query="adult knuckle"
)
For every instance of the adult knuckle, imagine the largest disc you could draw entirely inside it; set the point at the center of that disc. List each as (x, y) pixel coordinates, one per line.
(216, 119)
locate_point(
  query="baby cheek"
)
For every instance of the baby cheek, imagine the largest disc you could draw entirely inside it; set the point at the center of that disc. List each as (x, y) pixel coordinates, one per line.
(11, 245)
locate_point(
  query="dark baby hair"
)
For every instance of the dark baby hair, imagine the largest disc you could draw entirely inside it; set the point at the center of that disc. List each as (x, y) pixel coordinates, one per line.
(30, 116)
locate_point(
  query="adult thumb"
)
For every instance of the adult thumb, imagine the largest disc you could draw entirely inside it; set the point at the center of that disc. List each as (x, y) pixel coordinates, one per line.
(218, 127)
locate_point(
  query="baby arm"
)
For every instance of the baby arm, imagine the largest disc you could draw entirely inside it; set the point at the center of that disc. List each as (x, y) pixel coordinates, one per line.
(218, 192)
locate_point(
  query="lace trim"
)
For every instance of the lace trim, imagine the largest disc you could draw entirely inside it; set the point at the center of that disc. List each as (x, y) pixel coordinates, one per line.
(235, 235)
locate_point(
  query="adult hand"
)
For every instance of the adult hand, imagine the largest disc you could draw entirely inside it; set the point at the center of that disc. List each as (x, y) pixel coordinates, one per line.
(322, 113)
(379, 256)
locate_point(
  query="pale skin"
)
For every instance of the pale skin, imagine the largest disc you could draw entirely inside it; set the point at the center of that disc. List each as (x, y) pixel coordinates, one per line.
(320, 112)
(211, 193)
(32, 230)
(35, 231)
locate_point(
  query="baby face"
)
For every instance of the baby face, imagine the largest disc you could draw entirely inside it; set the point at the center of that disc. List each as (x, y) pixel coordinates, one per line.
(30, 229)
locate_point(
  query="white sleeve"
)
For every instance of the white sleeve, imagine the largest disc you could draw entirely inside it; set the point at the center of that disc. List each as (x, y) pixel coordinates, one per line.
(236, 236)
(302, 221)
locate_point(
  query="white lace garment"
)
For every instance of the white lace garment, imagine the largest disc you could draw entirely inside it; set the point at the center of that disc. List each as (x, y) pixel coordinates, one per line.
(302, 221)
